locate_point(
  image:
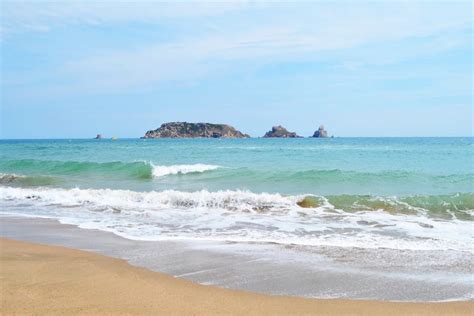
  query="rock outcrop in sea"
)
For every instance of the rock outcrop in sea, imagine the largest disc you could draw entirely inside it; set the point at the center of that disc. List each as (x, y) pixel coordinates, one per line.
(280, 131)
(194, 130)
(321, 132)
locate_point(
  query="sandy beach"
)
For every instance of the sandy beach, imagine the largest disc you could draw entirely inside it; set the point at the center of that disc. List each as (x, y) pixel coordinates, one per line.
(236, 158)
(42, 279)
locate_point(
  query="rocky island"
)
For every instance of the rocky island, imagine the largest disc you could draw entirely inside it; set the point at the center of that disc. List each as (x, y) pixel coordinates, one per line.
(321, 132)
(281, 132)
(194, 130)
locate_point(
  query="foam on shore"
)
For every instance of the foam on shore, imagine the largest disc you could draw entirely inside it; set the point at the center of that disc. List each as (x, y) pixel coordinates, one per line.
(243, 216)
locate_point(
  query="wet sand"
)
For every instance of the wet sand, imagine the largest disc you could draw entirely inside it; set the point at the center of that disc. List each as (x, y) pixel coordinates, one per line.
(41, 279)
(324, 273)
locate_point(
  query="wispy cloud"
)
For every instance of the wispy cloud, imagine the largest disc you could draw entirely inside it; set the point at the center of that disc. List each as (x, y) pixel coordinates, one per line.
(25, 16)
(272, 33)
(306, 36)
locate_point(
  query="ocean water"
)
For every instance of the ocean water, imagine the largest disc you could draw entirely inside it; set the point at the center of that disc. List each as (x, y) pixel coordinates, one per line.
(391, 193)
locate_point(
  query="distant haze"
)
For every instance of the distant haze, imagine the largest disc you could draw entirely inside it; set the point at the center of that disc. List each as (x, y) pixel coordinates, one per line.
(75, 69)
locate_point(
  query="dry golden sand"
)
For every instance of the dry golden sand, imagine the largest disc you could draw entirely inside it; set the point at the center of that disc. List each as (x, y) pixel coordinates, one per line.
(40, 279)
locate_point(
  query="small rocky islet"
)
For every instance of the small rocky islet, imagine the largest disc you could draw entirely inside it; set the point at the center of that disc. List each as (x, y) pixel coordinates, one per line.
(209, 130)
(194, 130)
(280, 132)
(320, 132)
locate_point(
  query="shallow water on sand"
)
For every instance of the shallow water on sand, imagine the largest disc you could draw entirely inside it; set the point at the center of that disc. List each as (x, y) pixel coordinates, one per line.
(319, 272)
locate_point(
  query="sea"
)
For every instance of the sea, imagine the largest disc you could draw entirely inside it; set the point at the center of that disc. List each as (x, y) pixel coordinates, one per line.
(402, 194)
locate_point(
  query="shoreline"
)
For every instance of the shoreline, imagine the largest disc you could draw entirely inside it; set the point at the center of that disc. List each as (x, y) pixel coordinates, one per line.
(269, 269)
(61, 280)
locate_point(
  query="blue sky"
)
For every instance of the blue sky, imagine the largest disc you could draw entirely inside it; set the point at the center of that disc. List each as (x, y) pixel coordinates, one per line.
(74, 69)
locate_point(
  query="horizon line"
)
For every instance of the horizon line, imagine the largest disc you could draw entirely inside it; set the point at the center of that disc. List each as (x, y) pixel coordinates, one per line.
(251, 137)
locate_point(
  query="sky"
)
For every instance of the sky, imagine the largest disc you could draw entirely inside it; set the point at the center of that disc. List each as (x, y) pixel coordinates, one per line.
(381, 68)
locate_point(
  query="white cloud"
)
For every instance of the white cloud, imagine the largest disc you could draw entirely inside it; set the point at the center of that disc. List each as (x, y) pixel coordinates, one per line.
(25, 16)
(271, 32)
(287, 38)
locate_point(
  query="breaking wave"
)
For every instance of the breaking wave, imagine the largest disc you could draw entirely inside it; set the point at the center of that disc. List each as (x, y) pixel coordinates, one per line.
(417, 222)
(114, 169)
(160, 171)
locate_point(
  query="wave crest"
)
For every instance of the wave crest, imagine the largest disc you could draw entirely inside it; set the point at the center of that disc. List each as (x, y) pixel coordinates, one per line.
(112, 169)
(161, 171)
(247, 216)
(458, 206)
(228, 200)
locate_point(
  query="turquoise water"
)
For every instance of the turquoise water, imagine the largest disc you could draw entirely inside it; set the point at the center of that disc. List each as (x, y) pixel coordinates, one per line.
(373, 166)
(300, 190)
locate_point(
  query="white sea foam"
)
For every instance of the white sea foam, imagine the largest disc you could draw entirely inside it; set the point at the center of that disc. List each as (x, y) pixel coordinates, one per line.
(161, 171)
(230, 200)
(235, 216)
